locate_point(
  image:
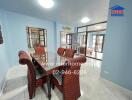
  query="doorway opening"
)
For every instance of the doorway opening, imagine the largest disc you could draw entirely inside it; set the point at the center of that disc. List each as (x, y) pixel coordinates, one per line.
(68, 40)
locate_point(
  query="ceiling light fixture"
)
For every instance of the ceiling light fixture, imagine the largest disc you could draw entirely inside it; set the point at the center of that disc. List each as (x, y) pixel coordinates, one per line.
(46, 3)
(85, 20)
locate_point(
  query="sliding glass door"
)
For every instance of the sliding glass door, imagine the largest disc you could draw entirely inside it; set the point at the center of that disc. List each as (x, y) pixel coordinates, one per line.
(95, 44)
(91, 40)
(81, 40)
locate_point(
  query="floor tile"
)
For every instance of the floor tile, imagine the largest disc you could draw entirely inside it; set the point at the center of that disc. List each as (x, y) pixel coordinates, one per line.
(92, 86)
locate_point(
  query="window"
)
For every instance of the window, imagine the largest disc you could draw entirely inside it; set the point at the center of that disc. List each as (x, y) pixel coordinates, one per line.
(36, 36)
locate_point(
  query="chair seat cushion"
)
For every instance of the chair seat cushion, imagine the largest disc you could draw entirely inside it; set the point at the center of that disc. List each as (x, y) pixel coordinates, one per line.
(58, 77)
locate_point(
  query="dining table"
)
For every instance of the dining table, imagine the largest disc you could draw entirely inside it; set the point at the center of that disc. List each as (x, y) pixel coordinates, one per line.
(49, 63)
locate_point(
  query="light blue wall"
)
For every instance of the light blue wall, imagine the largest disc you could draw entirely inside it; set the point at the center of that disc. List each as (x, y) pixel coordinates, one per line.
(15, 26)
(117, 61)
(15, 37)
(4, 64)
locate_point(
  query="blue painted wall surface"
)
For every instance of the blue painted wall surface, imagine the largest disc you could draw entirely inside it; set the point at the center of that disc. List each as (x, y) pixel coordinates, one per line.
(4, 64)
(15, 26)
(15, 37)
(117, 61)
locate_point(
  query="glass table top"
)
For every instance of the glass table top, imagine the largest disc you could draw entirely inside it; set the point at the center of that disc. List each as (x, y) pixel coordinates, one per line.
(49, 60)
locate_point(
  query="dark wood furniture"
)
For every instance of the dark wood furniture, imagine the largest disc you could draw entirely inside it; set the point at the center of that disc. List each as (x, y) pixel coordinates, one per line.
(61, 51)
(68, 82)
(39, 50)
(33, 80)
(69, 53)
(53, 62)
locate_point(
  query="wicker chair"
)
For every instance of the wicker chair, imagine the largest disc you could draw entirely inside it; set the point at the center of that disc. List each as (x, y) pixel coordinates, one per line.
(68, 82)
(21, 52)
(69, 53)
(61, 51)
(39, 50)
(33, 80)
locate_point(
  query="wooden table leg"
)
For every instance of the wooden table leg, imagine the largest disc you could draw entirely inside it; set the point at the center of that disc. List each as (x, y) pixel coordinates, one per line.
(49, 86)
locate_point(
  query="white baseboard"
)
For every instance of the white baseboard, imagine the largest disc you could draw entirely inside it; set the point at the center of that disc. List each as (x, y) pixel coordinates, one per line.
(123, 90)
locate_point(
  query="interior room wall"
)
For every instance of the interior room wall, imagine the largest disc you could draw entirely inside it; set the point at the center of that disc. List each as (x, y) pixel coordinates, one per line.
(16, 36)
(4, 64)
(117, 61)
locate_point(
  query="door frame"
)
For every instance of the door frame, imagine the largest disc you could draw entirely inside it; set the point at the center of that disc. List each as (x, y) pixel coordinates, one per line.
(88, 32)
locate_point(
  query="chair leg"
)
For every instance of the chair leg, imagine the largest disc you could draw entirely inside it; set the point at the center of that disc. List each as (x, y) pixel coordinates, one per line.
(31, 93)
(53, 86)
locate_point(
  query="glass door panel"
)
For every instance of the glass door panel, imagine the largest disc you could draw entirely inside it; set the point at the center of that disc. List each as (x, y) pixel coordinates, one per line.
(68, 39)
(63, 39)
(95, 43)
(90, 45)
(99, 46)
(81, 41)
(99, 42)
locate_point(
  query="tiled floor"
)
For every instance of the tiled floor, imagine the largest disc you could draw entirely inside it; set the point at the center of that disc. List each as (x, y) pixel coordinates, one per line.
(92, 86)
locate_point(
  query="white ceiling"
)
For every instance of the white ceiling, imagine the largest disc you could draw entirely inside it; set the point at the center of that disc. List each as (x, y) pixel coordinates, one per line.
(64, 11)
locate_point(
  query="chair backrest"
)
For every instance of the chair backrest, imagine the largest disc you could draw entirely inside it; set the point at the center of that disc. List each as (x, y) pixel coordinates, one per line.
(69, 53)
(39, 50)
(24, 59)
(61, 51)
(74, 64)
(20, 52)
(71, 83)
